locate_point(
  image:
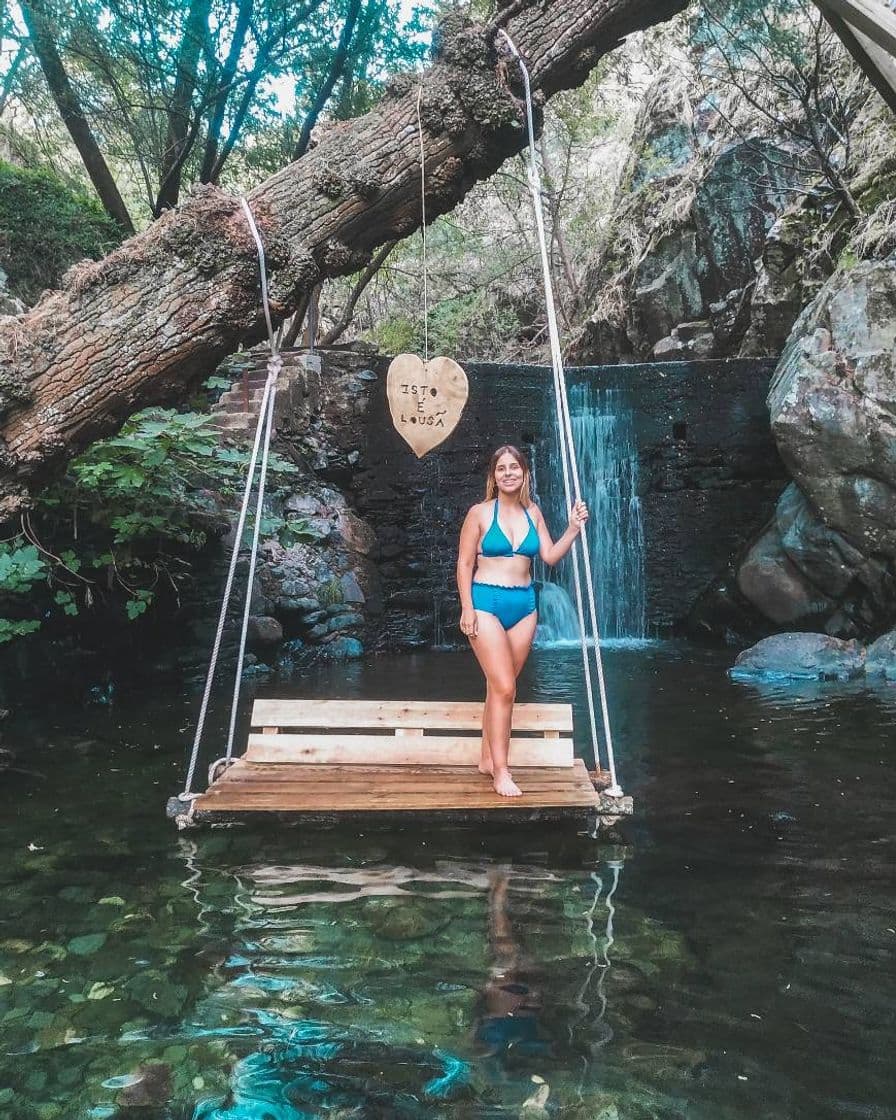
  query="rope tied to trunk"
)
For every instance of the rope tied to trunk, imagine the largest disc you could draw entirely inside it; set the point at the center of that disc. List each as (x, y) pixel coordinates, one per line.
(261, 445)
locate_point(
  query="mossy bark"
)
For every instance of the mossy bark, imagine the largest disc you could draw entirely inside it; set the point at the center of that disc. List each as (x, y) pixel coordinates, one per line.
(146, 323)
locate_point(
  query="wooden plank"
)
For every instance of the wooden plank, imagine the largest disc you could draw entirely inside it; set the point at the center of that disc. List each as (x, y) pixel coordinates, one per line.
(292, 800)
(333, 790)
(878, 66)
(249, 788)
(390, 714)
(410, 750)
(518, 815)
(296, 801)
(245, 771)
(334, 778)
(871, 17)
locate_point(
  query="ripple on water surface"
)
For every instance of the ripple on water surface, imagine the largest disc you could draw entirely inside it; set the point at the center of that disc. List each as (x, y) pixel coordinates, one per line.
(732, 960)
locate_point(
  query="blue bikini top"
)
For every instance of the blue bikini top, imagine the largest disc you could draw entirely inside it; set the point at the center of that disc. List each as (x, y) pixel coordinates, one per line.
(496, 542)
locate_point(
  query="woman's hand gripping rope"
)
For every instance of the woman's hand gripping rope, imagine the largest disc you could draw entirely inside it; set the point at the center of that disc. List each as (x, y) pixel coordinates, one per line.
(578, 515)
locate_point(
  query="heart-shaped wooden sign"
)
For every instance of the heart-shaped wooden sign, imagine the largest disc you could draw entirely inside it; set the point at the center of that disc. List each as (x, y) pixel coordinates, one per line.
(426, 399)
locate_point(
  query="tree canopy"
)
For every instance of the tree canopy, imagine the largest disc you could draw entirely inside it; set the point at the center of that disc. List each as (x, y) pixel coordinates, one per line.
(159, 94)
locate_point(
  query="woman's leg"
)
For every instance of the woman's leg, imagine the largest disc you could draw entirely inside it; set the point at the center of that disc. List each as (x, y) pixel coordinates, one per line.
(520, 638)
(492, 648)
(485, 756)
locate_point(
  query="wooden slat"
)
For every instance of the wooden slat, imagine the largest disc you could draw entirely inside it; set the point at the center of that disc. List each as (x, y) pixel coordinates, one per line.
(335, 788)
(243, 772)
(872, 17)
(341, 749)
(877, 63)
(436, 715)
(369, 789)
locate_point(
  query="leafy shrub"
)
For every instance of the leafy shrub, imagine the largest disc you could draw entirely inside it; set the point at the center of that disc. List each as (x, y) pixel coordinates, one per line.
(398, 335)
(128, 514)
(45, 227)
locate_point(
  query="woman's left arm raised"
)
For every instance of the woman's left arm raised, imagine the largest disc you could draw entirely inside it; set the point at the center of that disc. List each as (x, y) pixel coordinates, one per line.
(551, 551)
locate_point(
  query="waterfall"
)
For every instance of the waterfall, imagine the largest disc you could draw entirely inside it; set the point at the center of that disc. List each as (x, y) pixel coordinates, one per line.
(608, 468)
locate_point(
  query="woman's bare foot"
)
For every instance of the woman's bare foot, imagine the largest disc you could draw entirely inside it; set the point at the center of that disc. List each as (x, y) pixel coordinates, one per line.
(505, 785)
(486, 766)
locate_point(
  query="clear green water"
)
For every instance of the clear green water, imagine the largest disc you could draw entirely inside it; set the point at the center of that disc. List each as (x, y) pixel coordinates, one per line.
(733, 960)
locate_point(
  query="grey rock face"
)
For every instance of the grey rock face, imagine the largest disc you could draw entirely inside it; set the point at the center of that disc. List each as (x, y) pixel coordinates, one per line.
(801, 657)
(781, 286)
(696, 207)
(667, 288)
(822, 555)
(735, 204)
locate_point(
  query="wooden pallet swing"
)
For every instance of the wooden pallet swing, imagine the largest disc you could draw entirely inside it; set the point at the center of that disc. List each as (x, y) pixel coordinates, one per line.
(325, 762)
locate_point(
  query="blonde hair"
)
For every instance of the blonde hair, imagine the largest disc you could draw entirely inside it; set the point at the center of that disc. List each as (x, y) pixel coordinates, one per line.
(491, 487)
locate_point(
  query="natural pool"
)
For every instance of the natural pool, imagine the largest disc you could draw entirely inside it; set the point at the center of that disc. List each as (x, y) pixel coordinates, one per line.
(734, 959)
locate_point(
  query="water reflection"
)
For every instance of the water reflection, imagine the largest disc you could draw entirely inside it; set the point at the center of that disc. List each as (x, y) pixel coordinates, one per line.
(397, 989)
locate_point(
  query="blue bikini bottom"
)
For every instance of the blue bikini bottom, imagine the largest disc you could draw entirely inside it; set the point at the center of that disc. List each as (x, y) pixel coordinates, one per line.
(509, 605)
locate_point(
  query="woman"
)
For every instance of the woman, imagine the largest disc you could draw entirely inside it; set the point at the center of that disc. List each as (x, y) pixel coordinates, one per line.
(498, 608)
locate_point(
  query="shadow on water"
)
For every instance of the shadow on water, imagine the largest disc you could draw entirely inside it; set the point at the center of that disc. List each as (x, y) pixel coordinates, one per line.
(733, 960)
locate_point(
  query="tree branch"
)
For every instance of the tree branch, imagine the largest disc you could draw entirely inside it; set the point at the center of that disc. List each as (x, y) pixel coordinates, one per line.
(363, 280)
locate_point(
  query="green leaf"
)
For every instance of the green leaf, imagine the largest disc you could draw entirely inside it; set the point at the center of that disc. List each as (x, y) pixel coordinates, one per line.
(18, 629)
(66, 600)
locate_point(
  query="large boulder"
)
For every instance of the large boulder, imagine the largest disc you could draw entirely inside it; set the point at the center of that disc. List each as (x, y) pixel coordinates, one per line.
(833, 405)
(829, 556)
(800, 657)
(769, 579)
(693, 212)
(880, 659)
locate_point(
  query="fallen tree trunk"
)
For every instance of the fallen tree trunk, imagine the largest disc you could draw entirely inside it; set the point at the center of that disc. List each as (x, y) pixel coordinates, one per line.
(145, 324)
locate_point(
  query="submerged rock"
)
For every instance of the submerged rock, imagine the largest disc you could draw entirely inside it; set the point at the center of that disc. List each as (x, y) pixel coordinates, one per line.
(404, 919)
(800, 657)
(880, 659)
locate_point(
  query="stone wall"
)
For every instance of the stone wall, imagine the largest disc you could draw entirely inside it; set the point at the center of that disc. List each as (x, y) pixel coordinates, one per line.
(710, 476)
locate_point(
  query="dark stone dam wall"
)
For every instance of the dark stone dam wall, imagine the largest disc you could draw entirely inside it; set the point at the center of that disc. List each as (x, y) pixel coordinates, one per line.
(709, 475)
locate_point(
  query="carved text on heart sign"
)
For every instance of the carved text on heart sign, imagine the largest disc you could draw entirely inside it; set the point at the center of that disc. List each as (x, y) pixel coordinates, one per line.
(426, 399)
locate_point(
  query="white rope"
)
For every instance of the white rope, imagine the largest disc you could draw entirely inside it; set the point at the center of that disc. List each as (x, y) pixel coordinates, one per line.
(567, 444)
(261, 427)
(275, 364)
(423, 225)
(228, 587)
